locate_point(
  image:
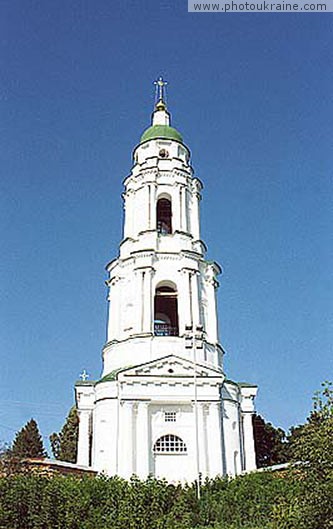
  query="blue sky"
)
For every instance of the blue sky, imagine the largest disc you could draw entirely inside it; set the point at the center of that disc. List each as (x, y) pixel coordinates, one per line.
(252, 96)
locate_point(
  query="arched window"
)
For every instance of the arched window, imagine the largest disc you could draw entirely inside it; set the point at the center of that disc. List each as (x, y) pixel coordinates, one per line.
(163, 215)
(165, 311)
(171, 444)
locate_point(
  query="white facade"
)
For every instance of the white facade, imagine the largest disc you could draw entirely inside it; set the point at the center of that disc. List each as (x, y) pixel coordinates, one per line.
(163, 406)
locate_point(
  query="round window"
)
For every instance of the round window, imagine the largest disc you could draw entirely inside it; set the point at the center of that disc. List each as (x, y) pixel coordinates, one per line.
(163, 153)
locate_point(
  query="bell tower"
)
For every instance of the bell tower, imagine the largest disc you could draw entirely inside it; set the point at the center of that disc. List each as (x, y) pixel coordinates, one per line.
(161, 282)
(163, 405)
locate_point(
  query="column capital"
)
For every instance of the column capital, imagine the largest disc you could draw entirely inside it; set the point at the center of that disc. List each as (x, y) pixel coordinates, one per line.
(84, 413)
(127, 403)
(143, 403)
(190, 271)
(205, 407)
(215, 405)
(113, 281)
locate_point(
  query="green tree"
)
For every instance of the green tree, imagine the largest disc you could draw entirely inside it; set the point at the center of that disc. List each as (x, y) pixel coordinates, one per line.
(28, 442)
(312, 444)
(64, 444)
(270, 443)
(311, 447)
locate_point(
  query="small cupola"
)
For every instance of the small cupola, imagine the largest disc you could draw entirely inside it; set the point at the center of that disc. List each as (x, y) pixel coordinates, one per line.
(160, 127)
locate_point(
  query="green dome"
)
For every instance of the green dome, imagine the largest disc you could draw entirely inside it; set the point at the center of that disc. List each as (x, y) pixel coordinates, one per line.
(161, 131)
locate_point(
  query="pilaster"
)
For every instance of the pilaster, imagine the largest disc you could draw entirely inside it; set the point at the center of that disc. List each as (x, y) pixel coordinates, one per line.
(83, 448)
(195, 298)
(203, 456)
(85, 400)
(211, 309)
(142, 440)
(249, 449)
(125, 451)
(248, 394)
(114, 311)
(214, 447)
(147, 300)
(195, 210)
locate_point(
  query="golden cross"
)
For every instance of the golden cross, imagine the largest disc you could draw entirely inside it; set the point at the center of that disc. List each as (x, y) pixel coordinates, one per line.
(160, 89)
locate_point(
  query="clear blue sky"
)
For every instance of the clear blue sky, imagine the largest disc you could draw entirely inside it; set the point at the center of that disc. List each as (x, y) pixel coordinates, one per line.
(252, 95)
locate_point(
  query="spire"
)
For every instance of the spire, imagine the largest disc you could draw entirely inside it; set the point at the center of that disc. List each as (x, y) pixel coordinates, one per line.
(161, 115)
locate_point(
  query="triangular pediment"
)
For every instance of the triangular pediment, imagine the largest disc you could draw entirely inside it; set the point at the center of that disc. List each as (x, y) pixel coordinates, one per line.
(170, 366)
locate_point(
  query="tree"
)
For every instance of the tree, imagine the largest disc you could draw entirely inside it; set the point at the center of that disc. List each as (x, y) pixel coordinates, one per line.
(64, 444)
(312, 452)
(270, 443)
(312, 443)
(28, 442)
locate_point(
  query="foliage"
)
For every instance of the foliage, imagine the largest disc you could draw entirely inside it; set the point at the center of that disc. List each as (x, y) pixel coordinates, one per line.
(312, 451)
(251, 502)
(270, 443)
(28, 442)
(58, 502)
(64, 444)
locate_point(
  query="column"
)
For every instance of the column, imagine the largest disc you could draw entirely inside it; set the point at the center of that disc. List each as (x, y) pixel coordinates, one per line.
(125, 464)
(147, 210)
(147, 300)
(176, 209)
(195, 298)
(215, 445)
(138, 300)
(83, 441)
(249, 450)
(113, 324)
(142, 297)
(184, 300)
(187, 208)
(128, 207)
(195, 213)
(152, 206)
(182, 201)
(142, 441)
(140, 213)
(211, 316)
(202, 440)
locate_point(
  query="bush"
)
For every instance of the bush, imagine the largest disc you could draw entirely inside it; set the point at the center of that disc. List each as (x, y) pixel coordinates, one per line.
(58, 502)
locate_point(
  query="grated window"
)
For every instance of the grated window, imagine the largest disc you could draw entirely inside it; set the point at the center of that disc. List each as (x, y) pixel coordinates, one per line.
(170, 416)
(170, 444)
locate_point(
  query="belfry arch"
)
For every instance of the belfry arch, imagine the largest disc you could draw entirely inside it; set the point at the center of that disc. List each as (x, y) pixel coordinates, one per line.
(166, 310)
(164, 215)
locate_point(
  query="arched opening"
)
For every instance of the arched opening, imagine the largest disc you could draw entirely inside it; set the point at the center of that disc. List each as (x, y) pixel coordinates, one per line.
(165, 311)
(171, 444)
(163, 216)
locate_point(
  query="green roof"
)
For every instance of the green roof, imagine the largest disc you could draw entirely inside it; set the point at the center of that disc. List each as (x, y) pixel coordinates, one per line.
(161, 131)
(111, 377)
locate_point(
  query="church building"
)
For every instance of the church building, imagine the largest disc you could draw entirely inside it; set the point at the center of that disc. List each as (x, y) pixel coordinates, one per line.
(163, 406)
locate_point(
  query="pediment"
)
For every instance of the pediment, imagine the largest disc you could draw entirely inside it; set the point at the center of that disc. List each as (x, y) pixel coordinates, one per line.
(170, 366)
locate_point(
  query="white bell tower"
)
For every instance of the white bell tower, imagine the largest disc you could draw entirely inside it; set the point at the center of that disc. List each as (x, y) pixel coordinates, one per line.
(161, 282)
(163, 405)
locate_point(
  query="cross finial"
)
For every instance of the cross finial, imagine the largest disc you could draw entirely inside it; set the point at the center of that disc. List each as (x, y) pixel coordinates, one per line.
(160, 89)
(84, 375)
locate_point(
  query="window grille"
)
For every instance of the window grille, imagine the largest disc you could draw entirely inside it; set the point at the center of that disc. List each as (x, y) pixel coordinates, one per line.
(170, 444)
(170, 416)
